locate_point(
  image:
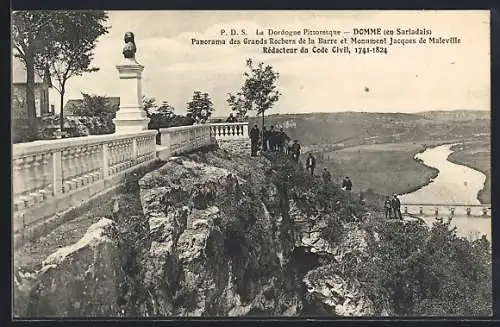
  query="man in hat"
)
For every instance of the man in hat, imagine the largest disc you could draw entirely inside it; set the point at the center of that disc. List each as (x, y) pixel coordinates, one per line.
(310, 164)
(296, 150)
(254, 139)
(265, 138)
(388, 207)
(396, 207)
(231, 119)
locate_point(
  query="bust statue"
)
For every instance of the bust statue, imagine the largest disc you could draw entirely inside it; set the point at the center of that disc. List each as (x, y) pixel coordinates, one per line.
(129, 49)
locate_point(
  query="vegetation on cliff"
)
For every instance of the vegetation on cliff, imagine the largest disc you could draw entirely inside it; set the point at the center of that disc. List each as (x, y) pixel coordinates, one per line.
(415, 269)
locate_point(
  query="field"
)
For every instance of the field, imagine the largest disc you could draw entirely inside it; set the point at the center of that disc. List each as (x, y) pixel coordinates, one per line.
(384, 168)
(477, 156)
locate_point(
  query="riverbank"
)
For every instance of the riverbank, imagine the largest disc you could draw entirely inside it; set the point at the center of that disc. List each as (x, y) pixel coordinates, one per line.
(476, 155)
(384, 168)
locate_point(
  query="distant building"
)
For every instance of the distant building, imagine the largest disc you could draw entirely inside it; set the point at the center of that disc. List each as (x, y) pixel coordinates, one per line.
(72, 104)
(18, 101)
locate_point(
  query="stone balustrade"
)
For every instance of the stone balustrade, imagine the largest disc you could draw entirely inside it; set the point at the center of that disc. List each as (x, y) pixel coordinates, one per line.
(54, 175)
(177, 140)
(229, 131)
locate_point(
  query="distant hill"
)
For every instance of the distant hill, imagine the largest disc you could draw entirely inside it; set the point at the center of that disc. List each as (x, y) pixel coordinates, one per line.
(457, 115)
(352, 128)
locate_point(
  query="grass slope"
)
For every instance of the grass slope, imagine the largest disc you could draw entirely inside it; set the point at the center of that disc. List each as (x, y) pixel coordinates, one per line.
(384, 168)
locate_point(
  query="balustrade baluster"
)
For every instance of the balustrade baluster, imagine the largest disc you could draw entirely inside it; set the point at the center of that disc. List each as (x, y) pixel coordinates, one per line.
(112, 157)
(38, 177)
(87, 164)
(133, 152)
(79, 167)
(46, 175)
(57, 172)
(126, 155)
(105, 160)
(98, 161)
(116, 157)
(90, 162)
(18, 176)
(24, 182)
(30, 165)
(67, 169)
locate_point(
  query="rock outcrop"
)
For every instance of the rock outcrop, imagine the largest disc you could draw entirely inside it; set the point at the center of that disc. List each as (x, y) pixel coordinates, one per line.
(212, 233)
(215, 249)
(79, 280)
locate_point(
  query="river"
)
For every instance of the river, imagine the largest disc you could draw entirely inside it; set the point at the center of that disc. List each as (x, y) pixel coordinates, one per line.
(455, 184)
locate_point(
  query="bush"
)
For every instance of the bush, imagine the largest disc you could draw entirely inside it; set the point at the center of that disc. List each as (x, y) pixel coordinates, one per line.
(415, 269)
(428, 271)
(21, 131)
(98, 125)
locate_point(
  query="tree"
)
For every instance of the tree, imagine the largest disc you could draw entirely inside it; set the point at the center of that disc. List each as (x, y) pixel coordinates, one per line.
(96, 105)
(239, 106)
(200, 108)
(148, 104)
(161, 116)
(30, 34)
(74, 36)
(259, 91)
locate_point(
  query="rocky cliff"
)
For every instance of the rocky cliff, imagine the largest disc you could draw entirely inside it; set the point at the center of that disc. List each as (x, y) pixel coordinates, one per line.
(219, 233)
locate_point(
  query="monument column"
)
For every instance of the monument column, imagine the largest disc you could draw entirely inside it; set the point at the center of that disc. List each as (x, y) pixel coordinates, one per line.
(131, 116)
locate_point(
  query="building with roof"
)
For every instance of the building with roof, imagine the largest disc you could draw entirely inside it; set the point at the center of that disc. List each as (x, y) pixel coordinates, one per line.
(18, 92)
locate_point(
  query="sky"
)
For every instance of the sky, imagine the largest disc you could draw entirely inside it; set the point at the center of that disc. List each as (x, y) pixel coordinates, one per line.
(410, 78)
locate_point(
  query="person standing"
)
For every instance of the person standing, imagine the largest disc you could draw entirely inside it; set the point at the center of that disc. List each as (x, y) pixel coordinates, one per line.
(396, 206)
(310, 164)
(296, 151)
(282, 138)
(388, 207)
(327, 177)
(347, 184)
(289, 147)
(254, 140)
(231, 119)
(272, 138)
(265, 138)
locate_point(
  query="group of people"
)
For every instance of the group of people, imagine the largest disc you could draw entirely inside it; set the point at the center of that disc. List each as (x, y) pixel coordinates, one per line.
(273, 140)
(393, 207)
(325, 175)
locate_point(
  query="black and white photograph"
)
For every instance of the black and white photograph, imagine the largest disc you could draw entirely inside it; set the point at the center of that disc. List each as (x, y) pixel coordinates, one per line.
(176, 163)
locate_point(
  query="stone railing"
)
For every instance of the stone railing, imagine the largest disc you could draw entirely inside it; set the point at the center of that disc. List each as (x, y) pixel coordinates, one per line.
(52, 176)
(177, 140)
(229, 131)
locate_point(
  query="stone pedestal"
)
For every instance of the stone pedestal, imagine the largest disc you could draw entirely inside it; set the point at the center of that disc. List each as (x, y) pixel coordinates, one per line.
(131, 117)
